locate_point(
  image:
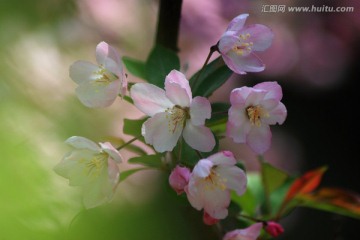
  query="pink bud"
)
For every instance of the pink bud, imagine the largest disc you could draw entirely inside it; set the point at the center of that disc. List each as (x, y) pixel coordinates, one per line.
(208, 220)
(274, 228)
(179, 178)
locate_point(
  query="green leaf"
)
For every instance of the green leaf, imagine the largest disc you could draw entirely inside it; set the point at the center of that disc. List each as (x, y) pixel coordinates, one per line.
(247, 201)
(255, 187)
(135, 67)
(274, 177)
(132, 127)
(128, 99)
(136, 149)
(212, 77)
(277, 196)
(153, 161)
(159, 64)
(126, 174)
(219, 117)
(189, 157)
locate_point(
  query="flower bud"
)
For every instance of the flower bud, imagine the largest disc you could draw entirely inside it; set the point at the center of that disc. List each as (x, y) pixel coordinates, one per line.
(208, 220)
(274, 228)
(179, 178)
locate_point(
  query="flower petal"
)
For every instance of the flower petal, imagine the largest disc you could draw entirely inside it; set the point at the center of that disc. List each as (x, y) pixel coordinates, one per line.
(276, 115)
(227, 42)
(260, 35)
(223, 158)
(238, 96)
(238, 132)
(273, 89)
(255, 97)
(113, 172)
(237, 115)
(250, 233)
(203, 168)
(237, 23)
(200, 109)
(217, 202)
(82, 71)
(235, 178)
(97, 95)
(73, 167)
(149, 98)
(193, 195)
(113, 153)
(104, 52)
(259, 138)
(81, 142)
(199, 137)
(177, 89)
(157, 133)
(242, 64)
(98, 191)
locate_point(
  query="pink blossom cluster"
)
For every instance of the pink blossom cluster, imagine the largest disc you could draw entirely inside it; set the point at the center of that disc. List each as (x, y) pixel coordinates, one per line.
(174, 115)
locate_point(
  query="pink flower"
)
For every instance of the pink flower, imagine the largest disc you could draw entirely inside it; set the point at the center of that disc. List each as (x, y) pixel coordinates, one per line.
(274, 228)
(179, 178)
(238, 44)
(250, 233)
(252, 111)
(173, 113)
(211, 181)
(99, 85)
(92, 167)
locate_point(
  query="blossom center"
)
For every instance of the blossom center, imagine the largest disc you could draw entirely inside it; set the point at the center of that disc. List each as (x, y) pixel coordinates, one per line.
(104, 76)
(177, 117)
(95, 166)
(243, 47)
(255, 113)
(215, 181)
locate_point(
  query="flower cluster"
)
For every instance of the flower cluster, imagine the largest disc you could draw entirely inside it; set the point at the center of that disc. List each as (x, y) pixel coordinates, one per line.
(175, 122)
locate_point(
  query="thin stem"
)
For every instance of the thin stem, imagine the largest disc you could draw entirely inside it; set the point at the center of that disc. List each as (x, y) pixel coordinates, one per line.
(180, 149)
(128, 143)
(199, 154)
(267, 209)
(251, 218)
(212, 50)
(219, 230)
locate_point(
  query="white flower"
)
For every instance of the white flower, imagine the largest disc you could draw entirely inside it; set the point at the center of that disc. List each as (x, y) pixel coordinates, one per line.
(99, 85)
(211, 181)
(92, 167)
(173, 113)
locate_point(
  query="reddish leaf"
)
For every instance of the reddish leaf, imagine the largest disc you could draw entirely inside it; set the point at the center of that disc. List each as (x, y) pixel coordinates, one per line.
(306, 183)
(334, 200)
(338, 197)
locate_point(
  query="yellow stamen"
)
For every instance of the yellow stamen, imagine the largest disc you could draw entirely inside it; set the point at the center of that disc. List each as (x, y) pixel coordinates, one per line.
(94, 167)
(177, 117)
(104, 76)
(255, 113)
(215, 181)
(243, 47)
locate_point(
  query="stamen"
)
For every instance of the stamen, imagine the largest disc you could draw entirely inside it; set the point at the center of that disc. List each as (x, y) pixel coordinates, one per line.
(215, 181)
(94, 167)
(243, 47)
(255, 113)
(103, 76)
(177, 117)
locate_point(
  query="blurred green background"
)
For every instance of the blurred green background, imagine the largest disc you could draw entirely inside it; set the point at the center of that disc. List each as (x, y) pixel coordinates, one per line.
(314, 58)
